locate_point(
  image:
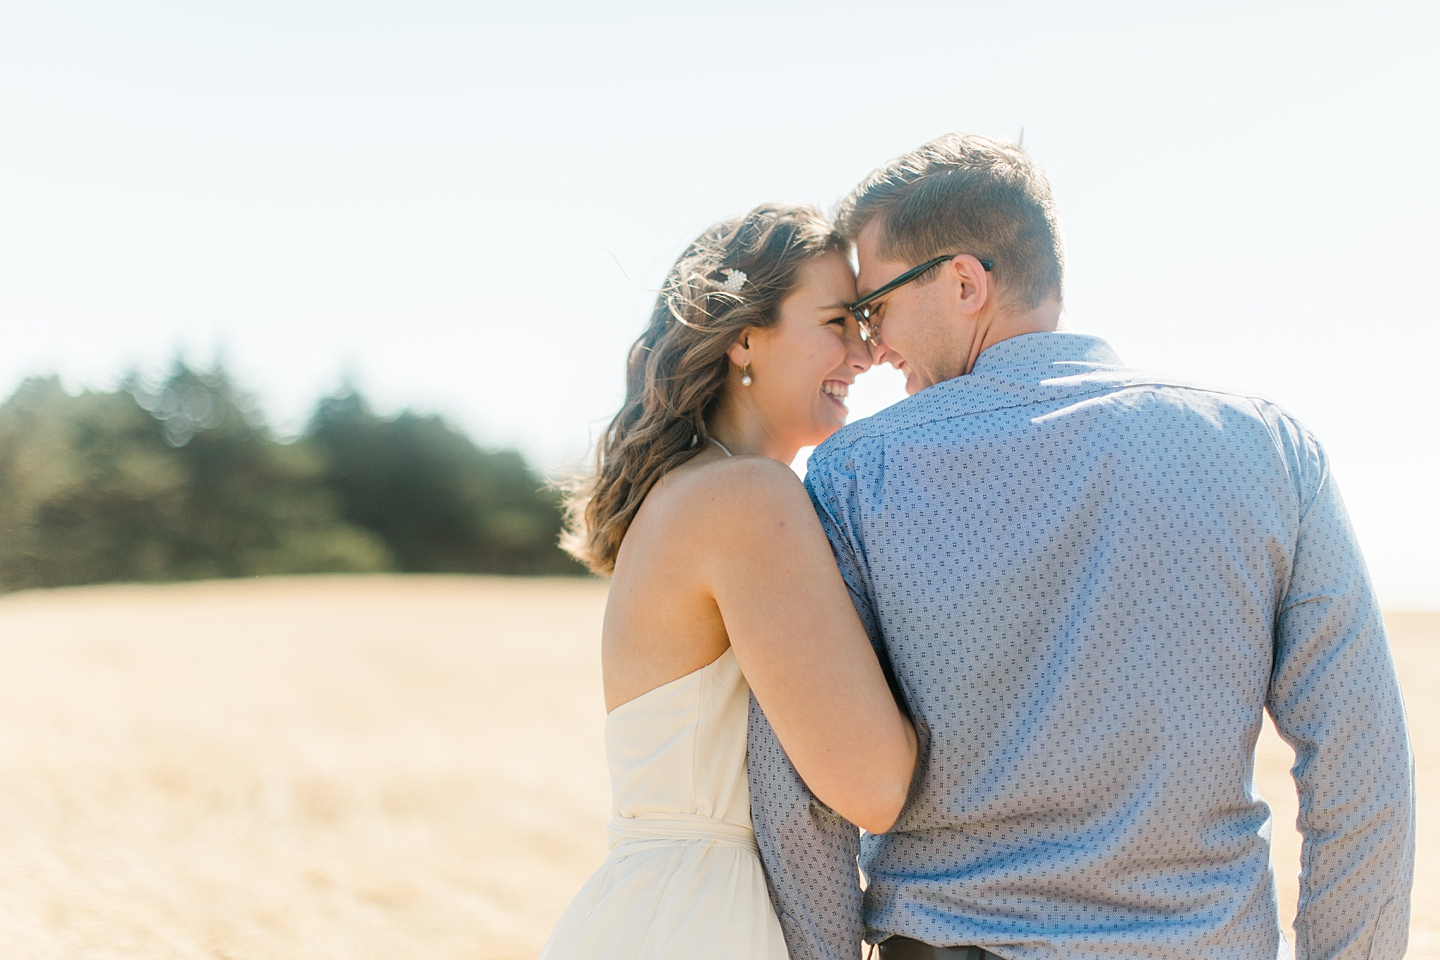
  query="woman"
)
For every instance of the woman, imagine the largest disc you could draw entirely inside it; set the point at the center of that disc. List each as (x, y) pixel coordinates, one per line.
(723, 582)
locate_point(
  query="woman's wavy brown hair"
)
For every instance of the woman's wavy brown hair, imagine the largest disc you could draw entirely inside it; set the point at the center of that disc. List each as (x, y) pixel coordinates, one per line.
(677, 369)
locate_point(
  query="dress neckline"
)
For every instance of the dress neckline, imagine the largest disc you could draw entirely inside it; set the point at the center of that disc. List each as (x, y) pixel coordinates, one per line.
(692, 675)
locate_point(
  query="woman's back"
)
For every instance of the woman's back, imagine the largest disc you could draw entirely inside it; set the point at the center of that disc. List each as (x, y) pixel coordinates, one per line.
(683, 877)
(661, 621)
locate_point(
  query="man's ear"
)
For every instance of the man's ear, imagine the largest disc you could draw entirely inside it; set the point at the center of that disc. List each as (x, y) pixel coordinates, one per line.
(974, 289)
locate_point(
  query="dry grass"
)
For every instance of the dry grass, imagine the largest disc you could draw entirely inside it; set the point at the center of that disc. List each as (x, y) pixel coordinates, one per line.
(1415, 641)
(368, 767)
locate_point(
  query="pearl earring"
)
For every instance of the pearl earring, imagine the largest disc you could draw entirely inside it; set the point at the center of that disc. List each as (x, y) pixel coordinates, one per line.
(745, 378)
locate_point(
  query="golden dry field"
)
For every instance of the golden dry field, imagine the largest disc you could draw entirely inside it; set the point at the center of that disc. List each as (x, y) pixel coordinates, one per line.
(391, 767)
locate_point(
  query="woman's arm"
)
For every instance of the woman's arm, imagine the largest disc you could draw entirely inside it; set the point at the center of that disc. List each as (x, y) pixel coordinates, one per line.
(800, 644)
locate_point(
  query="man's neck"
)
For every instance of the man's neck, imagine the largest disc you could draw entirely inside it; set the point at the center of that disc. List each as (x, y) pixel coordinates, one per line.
(1007, 324)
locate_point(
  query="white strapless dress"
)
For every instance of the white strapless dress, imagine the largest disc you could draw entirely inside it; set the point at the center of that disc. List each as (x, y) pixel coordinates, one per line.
(683, 879)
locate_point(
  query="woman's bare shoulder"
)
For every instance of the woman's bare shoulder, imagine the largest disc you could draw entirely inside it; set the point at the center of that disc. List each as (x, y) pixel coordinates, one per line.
(745, 510)
(717, 512)
(729, 489)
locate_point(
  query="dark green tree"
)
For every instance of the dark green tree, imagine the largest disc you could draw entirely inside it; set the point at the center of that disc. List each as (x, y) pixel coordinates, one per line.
(88, 489)
(252, 505)
(176, 483)
(440, 503)
(182, 480)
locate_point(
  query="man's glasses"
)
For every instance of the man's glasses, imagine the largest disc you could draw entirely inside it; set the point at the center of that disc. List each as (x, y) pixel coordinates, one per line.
(864, 307)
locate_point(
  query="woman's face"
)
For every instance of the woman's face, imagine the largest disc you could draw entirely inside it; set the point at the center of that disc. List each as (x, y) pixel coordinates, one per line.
(801, 368)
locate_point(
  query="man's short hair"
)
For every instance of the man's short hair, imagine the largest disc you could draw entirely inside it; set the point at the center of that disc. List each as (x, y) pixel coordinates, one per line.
(962, 193)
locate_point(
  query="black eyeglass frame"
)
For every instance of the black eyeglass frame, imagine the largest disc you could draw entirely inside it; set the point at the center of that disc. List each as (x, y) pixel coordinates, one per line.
(860, 309)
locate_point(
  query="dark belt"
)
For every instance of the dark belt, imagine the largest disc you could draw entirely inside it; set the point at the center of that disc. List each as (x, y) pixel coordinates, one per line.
(903, 948)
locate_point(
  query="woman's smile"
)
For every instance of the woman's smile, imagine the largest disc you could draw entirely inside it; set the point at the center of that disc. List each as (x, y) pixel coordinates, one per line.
(836, 391)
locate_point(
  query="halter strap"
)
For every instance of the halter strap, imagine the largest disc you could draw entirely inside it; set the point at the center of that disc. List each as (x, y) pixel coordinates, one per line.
(722, 447)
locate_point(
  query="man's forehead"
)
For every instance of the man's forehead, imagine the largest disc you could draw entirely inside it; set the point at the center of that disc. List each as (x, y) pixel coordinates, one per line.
(872, 273)
(868, 239)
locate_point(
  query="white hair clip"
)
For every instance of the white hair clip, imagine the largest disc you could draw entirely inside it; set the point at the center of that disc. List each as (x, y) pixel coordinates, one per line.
(734, 280)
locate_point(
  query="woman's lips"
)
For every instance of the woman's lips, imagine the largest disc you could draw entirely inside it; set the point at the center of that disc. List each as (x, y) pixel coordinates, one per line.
(836, 391)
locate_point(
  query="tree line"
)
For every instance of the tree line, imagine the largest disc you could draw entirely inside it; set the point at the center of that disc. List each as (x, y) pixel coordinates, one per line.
(184, 481)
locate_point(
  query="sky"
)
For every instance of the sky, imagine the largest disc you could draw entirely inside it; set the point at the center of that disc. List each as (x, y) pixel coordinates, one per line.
(463, 207)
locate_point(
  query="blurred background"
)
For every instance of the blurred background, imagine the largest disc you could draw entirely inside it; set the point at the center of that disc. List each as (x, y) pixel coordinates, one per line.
(435, 207)
(324, 288)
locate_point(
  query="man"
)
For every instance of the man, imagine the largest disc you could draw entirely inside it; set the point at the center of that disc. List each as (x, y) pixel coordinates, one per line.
(1088, 583)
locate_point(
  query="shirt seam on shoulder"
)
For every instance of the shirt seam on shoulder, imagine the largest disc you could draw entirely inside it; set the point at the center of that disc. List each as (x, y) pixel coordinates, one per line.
(1279, 442)
(864, 430)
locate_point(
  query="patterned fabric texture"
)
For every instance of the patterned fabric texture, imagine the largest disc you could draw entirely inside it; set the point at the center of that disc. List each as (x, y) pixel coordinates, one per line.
(1088, 583)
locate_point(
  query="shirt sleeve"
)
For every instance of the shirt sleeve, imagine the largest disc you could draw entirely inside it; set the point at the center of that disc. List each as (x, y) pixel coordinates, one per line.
(810, 853)
(1335, 699)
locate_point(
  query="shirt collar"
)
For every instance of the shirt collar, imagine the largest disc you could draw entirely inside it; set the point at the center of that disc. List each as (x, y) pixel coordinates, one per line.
(1037, 349)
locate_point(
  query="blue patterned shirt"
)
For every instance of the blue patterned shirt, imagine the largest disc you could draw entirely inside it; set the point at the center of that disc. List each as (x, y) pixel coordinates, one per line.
(1088, 583)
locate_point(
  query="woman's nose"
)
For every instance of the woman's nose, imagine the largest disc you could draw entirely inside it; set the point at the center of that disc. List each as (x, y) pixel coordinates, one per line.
(858, 353)
(861, 355)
